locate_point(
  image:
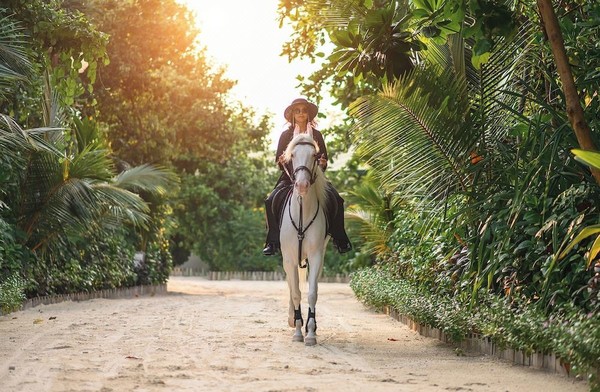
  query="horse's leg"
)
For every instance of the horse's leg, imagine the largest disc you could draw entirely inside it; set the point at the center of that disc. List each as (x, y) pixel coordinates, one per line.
(313, 286)
(295, 313)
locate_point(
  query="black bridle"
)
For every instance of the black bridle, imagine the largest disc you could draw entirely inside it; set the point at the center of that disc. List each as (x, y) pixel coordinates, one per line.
(311, 172)
(301, 231)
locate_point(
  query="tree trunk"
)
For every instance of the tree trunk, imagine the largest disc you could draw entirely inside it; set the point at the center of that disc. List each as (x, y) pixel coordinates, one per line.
(574, 110)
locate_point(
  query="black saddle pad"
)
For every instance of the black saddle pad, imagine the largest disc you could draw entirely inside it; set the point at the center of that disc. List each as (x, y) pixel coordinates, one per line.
(281, 194)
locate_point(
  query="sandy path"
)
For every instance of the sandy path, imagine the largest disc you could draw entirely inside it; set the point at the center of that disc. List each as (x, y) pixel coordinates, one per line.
(233, 336)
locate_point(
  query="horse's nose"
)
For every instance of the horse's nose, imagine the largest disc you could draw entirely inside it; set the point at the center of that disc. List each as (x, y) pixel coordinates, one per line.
(302, 186)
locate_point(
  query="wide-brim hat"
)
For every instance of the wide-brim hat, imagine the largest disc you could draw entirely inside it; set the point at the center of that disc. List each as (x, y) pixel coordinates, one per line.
(312, 109)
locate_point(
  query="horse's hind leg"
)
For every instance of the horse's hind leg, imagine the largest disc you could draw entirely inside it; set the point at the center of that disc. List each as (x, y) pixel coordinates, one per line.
(295, 313)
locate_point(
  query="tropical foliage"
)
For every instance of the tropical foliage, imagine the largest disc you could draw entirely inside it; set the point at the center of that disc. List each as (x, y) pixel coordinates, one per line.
(106, 135)
(571, 335)
(472, 187)
(172, 110)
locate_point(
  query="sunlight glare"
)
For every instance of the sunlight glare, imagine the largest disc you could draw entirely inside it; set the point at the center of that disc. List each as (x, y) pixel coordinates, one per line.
(244, 36)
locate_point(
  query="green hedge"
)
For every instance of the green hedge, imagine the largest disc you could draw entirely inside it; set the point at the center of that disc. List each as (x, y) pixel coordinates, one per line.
(570, 334)
(11, 294)
(92, 264)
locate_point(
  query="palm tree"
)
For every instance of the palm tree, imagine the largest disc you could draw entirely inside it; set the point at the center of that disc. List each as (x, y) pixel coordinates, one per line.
(373, 211)
(415, 137)
(57, 196)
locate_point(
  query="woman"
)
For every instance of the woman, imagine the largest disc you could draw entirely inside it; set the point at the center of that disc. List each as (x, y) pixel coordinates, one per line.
(301, 114)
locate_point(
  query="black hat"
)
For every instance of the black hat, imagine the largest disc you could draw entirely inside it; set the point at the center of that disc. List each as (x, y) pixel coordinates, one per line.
(312, 109)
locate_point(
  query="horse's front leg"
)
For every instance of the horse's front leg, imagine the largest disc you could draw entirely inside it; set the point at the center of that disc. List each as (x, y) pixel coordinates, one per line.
(313, 287)
(295, 313)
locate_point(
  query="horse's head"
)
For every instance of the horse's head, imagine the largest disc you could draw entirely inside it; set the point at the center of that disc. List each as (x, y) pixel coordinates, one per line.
(302, 153)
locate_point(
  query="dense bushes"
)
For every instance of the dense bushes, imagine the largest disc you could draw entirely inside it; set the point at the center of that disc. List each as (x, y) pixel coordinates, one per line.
(474, 191)
(12, 286)
(94, 264)
(75, 213)
(570, 334)
(218, 221)
(505, 281)
(11, 293)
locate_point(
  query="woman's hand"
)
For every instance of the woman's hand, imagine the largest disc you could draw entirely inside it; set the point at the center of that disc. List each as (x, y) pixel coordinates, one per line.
(322, 162)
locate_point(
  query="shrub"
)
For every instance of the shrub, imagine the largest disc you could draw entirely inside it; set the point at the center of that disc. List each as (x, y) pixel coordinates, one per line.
(12, 293)
(570, 333)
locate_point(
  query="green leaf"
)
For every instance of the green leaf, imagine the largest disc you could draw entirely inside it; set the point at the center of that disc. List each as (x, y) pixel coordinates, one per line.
(590, 158)
(482, 46)
(479, 60)
(342, 38)
(424, 4)
(420, 13)
(431, 31)
(594, 250)
(472, 31)
(585, 233)
(336, 56)
(523, 246)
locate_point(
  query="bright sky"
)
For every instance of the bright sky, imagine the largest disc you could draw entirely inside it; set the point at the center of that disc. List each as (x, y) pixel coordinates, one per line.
(244, 36)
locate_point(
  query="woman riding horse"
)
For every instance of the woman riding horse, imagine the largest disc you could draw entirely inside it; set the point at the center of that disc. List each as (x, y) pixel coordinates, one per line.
(300, 115)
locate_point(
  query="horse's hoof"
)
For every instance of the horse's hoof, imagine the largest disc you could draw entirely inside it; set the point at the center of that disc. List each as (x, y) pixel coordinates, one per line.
(310, 341)
(298, 338)
(291, 322)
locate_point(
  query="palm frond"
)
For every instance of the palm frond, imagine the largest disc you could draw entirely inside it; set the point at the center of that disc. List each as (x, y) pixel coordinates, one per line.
(493, 86)
(375, 236)
(497, 87)
(86, 133)
(77, 206)
(93, 164)
(64, 198)
(53, 112)
(450, 56)
(148, 178)
(415, 134)
(122, 204)
(372, 211)
(336, 14)
(16, 140)
(68, 206)
(14, 63)
(13, 140)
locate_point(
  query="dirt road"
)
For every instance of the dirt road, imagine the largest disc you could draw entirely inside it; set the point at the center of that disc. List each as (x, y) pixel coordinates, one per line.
(233, 336)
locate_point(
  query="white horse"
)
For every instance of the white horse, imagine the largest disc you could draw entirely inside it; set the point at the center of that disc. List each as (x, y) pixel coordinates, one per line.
(303, 233)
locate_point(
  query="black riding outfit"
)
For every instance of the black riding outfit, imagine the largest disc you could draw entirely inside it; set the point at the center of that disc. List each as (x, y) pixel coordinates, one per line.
(335, 206)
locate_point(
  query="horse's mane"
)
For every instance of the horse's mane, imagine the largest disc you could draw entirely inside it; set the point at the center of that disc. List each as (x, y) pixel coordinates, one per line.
(300, 138)
(320, 180)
